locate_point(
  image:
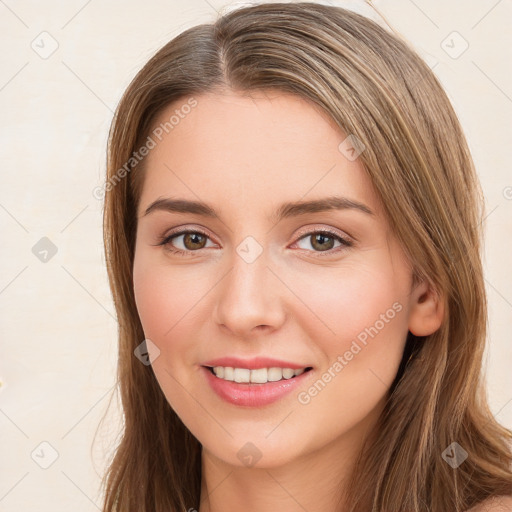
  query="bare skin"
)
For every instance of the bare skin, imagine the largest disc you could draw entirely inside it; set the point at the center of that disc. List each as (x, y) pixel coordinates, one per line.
(245, 156)
(495, 504)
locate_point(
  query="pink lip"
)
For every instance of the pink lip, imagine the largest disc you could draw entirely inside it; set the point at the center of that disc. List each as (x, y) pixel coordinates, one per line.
(252, 394)
(253, 363)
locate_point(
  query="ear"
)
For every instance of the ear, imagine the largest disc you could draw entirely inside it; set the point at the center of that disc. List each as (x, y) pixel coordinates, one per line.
(426, 310)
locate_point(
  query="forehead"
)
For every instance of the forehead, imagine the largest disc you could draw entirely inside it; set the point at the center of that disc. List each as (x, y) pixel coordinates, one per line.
(234, 150)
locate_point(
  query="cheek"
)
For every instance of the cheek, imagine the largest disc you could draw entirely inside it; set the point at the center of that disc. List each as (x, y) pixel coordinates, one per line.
(171, 304)
(361, 327)
(162, 295)
(344, 304)
(151, 299)
(368, 314)
(164, 301)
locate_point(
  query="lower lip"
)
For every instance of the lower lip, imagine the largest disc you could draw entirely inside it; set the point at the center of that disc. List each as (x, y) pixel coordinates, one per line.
(252, 394)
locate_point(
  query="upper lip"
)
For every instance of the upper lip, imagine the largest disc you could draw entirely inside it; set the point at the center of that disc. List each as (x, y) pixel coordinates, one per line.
(253, 363)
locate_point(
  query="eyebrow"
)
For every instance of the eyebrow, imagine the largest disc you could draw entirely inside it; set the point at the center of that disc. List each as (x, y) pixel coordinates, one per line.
(286, 210)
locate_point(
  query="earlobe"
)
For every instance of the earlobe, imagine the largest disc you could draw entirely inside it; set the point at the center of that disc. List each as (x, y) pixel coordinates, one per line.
(427, 310)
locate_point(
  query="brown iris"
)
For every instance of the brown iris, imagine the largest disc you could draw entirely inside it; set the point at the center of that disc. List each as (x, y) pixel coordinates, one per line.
(318, 241)
(197, 240)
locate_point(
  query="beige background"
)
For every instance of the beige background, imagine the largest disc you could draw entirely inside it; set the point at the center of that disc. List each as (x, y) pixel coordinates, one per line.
(58, 329)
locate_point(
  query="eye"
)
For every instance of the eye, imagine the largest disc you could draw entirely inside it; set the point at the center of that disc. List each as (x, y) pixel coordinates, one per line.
(323, 240)
(191, 240)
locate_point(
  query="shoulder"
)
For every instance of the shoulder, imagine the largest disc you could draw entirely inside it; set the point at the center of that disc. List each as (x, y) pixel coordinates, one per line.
(494, 504)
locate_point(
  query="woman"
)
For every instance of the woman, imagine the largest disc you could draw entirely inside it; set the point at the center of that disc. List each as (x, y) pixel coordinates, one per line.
(292, 232)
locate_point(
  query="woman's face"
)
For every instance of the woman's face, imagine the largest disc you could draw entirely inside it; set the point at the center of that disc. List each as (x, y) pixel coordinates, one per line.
(260, 277)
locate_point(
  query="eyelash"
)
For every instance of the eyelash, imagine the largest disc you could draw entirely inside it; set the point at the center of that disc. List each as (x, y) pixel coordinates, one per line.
(165, 241)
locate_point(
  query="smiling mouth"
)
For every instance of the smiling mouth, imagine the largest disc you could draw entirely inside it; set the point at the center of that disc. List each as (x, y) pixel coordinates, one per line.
(255, 376)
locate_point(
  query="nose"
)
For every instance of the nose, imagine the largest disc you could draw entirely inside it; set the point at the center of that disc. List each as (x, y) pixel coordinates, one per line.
(249, 298)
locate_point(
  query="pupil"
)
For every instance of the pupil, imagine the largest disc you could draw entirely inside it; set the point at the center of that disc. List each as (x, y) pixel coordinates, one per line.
(319, 241)
(193, 238)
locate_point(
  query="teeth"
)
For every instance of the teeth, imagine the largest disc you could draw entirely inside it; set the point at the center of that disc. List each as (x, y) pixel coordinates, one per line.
(259, 376)
(242, 374)
(288, 373)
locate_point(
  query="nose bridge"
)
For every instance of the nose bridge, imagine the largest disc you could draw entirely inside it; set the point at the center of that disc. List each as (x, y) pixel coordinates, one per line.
(249, 294)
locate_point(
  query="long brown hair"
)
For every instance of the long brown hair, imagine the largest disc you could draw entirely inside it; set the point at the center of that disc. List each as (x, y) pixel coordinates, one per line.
(375, 87)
